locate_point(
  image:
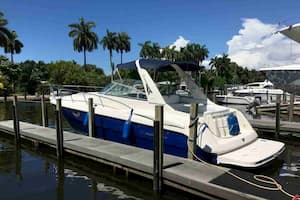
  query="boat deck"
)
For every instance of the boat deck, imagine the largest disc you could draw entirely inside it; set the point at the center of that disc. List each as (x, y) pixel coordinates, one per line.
(183, 174)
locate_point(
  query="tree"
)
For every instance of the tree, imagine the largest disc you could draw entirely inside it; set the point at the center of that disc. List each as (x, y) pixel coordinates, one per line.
(193, 52)
(13, 45)
(110, 42)
(66, 72)
(4, 32)
(155, 52)
(207, 79)
(3, 59)
(11, 72)
(84, 38)
(146, 49)
(123, 43)
(169, 53)
(150, 50)
(221, 64)
(31, 75)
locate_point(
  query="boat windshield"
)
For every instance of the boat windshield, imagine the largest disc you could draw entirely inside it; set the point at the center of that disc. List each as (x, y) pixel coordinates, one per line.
(126, 88)
(176, 87)
(179, 90)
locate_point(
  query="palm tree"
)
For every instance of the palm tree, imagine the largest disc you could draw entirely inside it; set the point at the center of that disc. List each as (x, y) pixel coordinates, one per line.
(169, 53)
(84, 38)
(202, 53)
(150, 50)
(4, 32)
(110, 42)
(155, 52)
(221, 64)
(213, 62)
(146, 49)
(13, 45)
(123, 43)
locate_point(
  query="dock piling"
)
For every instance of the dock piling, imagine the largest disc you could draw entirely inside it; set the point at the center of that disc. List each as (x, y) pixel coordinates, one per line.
(193, 130)
(16, 120)
(277, 120)
(44, 111)
(59, 130)
(91, 118)
(284, 98)
(291, 107)
(158, 148)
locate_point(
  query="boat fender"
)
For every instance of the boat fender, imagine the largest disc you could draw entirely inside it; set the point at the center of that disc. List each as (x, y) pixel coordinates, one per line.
(85, 119)
(127, 126)
(233, 124)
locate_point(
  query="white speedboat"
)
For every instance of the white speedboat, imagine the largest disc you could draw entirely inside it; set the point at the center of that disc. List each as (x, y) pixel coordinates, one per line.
(231, 99)
(124, 113)
(262, 91)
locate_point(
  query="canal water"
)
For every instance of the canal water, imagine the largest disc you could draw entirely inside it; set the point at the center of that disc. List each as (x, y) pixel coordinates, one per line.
(29, 173)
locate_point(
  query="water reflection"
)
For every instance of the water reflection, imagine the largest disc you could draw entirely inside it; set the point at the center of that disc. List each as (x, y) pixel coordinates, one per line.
(291, 168)
(7, 161)
(31, 173)
(18, 167)
(60, 179)
(99, 187)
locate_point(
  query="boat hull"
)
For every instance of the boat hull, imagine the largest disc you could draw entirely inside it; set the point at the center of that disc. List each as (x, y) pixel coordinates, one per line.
(225, 99)
(141, 135)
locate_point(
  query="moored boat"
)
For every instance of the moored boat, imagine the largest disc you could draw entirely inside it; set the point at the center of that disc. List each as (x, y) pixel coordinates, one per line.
(124, 112)
(231, 99)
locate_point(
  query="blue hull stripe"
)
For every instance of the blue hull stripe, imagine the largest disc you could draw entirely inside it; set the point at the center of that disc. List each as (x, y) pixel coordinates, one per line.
(140, 135)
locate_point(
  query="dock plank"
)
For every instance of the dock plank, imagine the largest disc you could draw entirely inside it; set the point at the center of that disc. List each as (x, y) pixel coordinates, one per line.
(181, 173)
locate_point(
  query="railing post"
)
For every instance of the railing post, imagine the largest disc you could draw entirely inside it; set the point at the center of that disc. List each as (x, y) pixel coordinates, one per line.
(192, 130)
(91, 118)
(158, 149)
(16, 120)
(291, 107)
(59, 130)
(277, 125)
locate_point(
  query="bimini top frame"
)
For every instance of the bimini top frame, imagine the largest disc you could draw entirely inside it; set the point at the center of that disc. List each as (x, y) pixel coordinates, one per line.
(161, 65)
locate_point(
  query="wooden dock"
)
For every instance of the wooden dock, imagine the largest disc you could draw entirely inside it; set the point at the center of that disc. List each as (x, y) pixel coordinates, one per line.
(184, 174)
(269, 126)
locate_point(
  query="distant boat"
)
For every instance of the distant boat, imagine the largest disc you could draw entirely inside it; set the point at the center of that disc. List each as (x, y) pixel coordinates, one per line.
(258, 92)
(124, 113)
(261, 91)
(231, 99)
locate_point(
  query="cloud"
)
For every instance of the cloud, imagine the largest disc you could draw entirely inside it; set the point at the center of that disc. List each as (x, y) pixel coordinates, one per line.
(258, 45)
(205, 63)
(180, 43)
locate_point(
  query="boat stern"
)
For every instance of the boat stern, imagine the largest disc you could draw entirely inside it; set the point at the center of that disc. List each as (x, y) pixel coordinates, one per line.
(255, 154)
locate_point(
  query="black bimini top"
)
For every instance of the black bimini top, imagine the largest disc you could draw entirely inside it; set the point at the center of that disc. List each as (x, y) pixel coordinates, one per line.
(161, 65)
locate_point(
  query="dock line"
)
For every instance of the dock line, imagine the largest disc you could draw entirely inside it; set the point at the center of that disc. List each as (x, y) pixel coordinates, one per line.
(259, 178)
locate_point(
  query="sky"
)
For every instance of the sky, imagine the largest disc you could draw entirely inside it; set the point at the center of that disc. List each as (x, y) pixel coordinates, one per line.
(244, 29)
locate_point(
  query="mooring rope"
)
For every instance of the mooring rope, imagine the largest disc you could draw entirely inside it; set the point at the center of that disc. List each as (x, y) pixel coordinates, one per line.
(275, 186)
